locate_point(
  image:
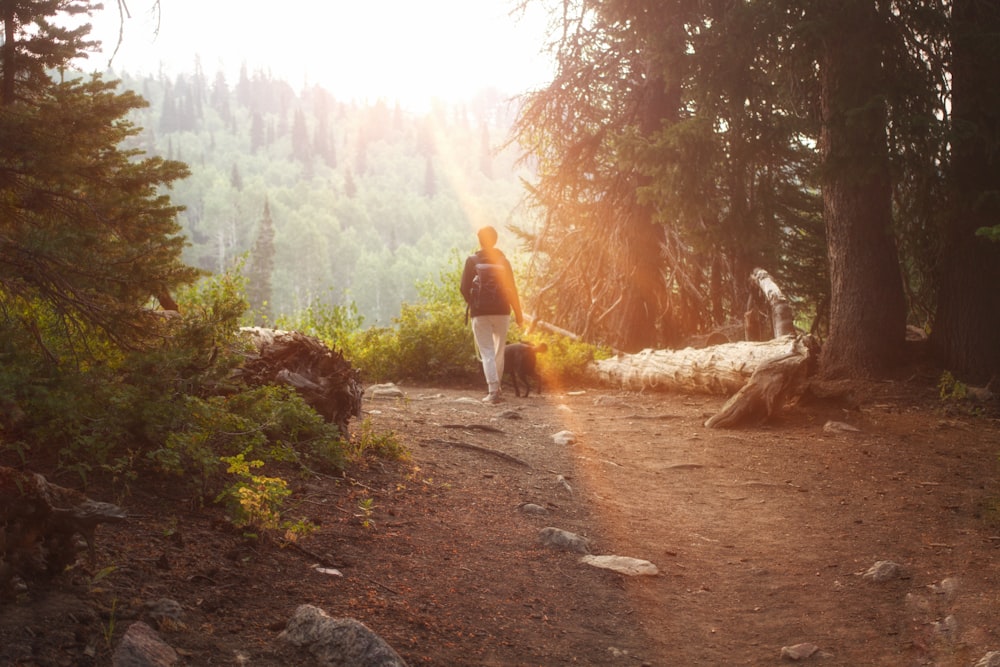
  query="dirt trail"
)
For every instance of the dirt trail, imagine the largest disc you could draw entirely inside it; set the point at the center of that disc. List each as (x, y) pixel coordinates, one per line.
(761, 538)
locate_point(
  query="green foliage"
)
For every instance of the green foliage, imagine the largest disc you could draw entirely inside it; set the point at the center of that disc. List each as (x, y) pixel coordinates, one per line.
(430, 339)
(334, 325)
(383, 445)
(951, 389)
(254, 501)
(991, 233)
(565, 361)
(366, 508)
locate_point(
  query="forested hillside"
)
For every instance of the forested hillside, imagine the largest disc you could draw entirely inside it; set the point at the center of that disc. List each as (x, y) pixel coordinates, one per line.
(328, 201)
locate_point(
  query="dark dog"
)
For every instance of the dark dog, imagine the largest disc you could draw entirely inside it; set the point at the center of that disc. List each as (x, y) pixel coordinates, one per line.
(519, 362)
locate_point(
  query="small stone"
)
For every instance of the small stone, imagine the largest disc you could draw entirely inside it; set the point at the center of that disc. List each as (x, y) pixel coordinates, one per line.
(531, 508)
(142, 646)
(387, 390)
(883, 570)
(565, 540)
(948, 587)
(510, 414)
(338, 641)
(798, 651)
(564, 438)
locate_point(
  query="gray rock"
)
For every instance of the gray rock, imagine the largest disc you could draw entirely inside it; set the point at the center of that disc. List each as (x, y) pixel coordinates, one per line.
(531, 508)
(565, 540)
(798, 651)
(142, 647)
(387, 390)
(338, 642)
(883, 570)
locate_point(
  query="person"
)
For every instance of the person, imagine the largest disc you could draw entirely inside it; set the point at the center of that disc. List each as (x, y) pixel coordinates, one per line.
(491, 295)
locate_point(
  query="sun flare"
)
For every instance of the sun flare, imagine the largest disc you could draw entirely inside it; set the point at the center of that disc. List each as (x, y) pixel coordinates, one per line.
(391, 49)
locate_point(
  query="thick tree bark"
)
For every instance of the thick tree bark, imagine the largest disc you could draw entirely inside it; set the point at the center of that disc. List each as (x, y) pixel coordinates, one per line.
(967, 323)
(867, 307)
(763, 375)
(720, 369)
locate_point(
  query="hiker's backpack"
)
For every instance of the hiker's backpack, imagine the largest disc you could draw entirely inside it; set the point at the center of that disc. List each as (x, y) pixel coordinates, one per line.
(487, 290)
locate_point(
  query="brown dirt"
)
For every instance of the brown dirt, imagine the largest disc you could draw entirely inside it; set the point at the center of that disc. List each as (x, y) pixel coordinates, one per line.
(761, 537)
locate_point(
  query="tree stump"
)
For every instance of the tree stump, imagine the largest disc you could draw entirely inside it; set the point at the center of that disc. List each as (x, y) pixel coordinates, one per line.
(320, 374)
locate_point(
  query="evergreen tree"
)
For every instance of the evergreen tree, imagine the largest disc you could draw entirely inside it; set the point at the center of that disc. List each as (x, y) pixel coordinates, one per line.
(236, 178)
(33, 44)
(86, 237)
(867, 309)
(261, 267)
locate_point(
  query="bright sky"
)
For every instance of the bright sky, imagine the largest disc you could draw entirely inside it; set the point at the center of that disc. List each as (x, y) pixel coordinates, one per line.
(410, 50)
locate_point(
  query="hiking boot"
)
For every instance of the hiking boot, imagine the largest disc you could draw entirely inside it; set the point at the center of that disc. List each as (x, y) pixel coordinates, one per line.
(493, 398)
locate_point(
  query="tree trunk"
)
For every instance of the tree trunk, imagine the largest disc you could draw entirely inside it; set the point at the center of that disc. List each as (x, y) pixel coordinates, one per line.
(720, 369)
(967, 323)
(867, 307)
(782, 316)
(764, 375)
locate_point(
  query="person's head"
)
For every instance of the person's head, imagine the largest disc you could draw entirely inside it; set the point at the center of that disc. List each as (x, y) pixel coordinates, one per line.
(487, 237)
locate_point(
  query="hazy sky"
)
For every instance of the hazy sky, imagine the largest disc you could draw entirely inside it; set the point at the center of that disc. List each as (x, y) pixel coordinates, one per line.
(411, 50)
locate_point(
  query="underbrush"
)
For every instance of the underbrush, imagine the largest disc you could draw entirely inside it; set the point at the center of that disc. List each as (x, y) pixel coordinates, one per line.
(431, 340)
(173, 410)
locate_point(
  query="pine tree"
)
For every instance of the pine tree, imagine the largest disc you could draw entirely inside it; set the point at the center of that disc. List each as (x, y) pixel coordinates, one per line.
(261, 267)
(86, 235)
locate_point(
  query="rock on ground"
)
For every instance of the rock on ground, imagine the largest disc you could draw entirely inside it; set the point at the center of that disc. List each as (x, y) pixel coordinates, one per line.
(338, 642)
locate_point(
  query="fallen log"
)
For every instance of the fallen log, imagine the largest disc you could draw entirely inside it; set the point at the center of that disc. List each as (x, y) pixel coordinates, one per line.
(719, 369)
(318, 373)
(762, 376)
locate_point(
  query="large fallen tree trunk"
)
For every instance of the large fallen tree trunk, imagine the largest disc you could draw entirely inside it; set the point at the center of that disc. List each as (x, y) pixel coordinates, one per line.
(719, 369)
(763, 375)
(320, 374)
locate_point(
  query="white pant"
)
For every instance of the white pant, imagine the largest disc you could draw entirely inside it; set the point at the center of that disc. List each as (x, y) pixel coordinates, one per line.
(490, 333)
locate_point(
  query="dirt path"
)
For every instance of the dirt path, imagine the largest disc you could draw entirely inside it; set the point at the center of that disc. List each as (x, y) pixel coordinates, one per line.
(761, 538)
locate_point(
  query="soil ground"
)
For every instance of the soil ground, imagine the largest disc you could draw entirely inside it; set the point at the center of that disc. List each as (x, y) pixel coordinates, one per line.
(761, 537)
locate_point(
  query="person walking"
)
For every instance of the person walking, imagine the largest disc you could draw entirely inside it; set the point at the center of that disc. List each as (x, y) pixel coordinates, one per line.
(491, 295)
